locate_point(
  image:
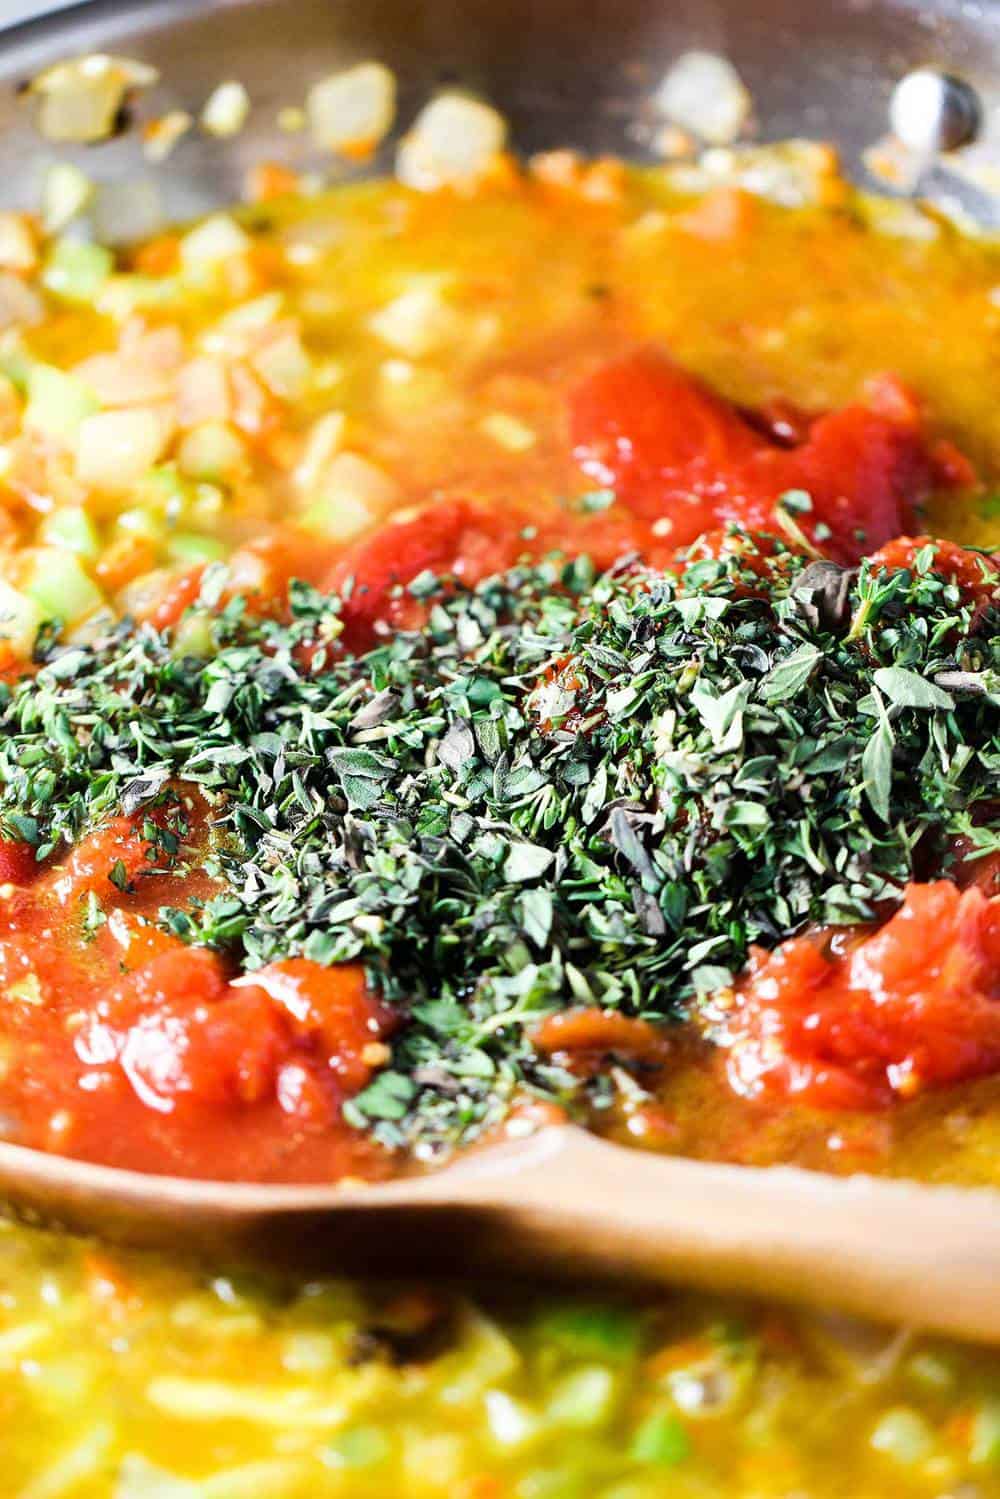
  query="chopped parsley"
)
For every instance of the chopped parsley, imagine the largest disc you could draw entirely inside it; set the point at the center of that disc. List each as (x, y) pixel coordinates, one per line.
(561, 790)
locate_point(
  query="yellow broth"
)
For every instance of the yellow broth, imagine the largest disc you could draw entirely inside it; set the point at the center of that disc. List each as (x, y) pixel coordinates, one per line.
(122, 1376)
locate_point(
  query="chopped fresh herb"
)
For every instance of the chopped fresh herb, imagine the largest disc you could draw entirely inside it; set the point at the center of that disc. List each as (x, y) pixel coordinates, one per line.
(562, 790)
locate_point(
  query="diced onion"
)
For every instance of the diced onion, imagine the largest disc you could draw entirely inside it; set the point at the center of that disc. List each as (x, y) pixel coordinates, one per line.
(159, 137)
(80, 99)
(18, 250)
(118, 380)
(187, 1398)
(511, 433)
(703, 93)
(349, 497)
(213, 241)
(143, 371)
(352, 111)
(128, 210)
(418, 322)
(227, 110)
(239, 332)
(309, 1352)
(203, 393)
(452, 143)
(20, 304)
(116, 448)
(794, 173)
(66, 193)
(212, 451)
(284, 366)
(325, 439)
(903, 1435)
(512, 1423)
(583, 1398)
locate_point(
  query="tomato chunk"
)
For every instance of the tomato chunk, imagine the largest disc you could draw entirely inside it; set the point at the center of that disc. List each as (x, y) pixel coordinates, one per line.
(117, 847)
(178, 1029)
(677, 454)
(332, 1005)
(977, 575)
(179, 594)
(661, 439)
(912, 1006)
(150, 1022)
(454, 537)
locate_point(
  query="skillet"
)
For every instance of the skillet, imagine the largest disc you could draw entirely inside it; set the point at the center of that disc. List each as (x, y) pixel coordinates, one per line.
(560, 72)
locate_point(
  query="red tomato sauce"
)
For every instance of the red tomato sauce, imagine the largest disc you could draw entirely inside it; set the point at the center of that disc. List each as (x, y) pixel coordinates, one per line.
(911, 1006)
(125, 1045)
(684, 460)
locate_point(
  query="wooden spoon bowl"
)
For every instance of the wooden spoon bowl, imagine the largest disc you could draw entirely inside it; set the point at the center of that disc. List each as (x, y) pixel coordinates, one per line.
(562, 1204)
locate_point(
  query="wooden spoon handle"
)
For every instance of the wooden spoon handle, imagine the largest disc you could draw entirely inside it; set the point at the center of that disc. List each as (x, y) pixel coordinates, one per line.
(889, 1250)
(563, 1204)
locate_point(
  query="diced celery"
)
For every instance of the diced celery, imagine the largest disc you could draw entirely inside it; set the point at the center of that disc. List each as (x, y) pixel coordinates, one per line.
(20, 618)
(71, 528)
(57, 403)
(164, 492)
(339, 518)
(76, 271)
(583, 1398)
(903, 1435)
(358, 1447)
(349, 497)
(661, 1439)
(59, 585)
(191, 547)
(593, 1330)
(193, 635)
(984, 1447)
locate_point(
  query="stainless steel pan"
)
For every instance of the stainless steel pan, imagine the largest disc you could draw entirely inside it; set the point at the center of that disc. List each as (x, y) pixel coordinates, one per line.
(574, 72)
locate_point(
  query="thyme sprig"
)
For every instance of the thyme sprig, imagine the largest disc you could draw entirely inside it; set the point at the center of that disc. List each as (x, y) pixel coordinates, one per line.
(560, 790)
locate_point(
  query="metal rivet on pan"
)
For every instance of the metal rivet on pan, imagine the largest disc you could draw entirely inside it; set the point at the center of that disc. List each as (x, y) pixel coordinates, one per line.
(932, 111)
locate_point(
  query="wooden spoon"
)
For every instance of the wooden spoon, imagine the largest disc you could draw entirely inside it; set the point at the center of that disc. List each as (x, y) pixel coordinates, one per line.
(564, 1204)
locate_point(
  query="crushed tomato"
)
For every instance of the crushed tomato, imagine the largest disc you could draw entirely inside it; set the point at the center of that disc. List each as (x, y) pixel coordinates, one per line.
(130, 1047)
(679, 455)
(913, 1005)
